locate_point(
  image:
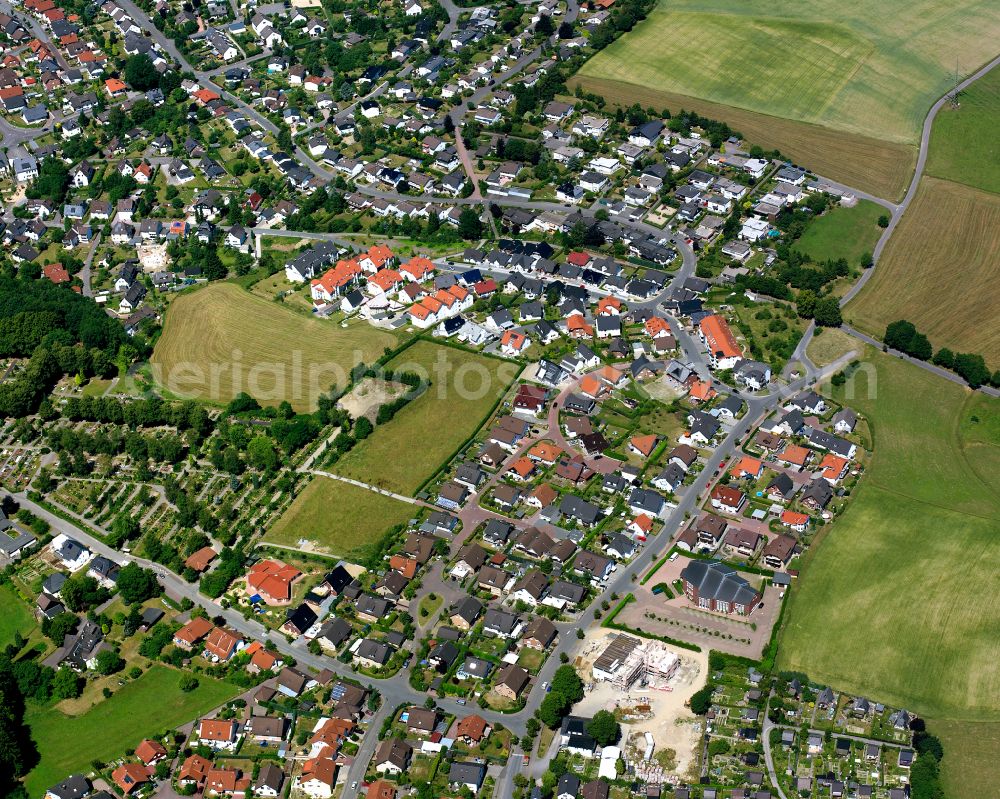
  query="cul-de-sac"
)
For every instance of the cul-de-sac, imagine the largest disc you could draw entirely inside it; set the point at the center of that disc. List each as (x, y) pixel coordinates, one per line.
(499, 399)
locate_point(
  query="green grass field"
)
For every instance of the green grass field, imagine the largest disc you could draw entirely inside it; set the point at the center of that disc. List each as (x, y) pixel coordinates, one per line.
(843, 233)
(970, 767)
(148, 706)
(939, 272)
(402, 454)
(221, 339)
(338, 518)
(842, 67)
(964, 143)
(16, 616)
(830, 345)
(890, 603)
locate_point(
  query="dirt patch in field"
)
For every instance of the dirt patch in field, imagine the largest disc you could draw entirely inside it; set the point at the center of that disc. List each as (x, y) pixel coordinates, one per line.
(371, 393)
(663, 390)
(661, 711)
(879, 167)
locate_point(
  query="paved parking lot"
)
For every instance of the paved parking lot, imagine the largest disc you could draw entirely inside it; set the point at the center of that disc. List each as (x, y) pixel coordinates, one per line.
(678, 618)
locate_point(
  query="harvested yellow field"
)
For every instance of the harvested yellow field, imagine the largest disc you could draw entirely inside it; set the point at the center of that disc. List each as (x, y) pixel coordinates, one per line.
(939, 271)
(221, 340)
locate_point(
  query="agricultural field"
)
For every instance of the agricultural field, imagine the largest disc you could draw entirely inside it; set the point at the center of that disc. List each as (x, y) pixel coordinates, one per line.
(116, 724)
(976, 160)
(980, 433)
(401, 454)
(879, 167)
(221, 339)
(939, 272)
(970, 766)
(846, 70)
(889, 603)
(338, 518)
(843, 232)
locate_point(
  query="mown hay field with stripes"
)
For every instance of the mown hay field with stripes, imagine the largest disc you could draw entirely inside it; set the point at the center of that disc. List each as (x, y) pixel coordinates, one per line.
(221, 340)
(939, 271)
(845, 68)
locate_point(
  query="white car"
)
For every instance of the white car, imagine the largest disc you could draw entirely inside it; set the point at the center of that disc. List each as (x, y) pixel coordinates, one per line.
(673, 557)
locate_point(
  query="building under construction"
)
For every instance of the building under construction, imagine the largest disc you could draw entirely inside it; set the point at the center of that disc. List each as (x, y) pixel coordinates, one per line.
(627, 660)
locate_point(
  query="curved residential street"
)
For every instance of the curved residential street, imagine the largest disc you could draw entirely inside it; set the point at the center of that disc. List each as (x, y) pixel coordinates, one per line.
(800, 374)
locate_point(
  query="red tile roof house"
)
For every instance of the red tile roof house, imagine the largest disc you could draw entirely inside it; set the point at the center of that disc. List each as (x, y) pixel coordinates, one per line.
(115, 87)
(200, 560)
(723, 351)
(472, 729)
(272, 581)
(222, 644)
(385, 281)
(485, 288)
(514, 343)
(378, 257)
(261, 659)
(56, 273)
(193, 771)
(319, 777)
(643, 445)
(747, 467)
(417, 268)
(335, 281)
(728, 500)
(129, 776)
(218, 734)
(192, 632)
(150, 752)
(794, 521)
(226, 782)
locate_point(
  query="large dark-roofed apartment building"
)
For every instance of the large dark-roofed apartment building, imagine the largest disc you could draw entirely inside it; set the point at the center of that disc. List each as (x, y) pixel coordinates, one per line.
(715, 586)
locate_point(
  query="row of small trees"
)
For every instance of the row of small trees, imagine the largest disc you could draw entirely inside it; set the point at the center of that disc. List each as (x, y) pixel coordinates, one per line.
(971, 367)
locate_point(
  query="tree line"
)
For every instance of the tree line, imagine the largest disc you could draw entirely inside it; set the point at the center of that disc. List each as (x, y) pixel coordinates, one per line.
(903, 336)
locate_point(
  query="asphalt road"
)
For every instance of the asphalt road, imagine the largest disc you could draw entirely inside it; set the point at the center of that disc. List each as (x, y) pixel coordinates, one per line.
(925, 139)
(396, 691)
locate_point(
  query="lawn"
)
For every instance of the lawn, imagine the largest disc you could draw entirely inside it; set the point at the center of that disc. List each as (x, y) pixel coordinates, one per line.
(221, 339)
(830, 345)
(67, 744)
(338, 518)
(890, 603)
(939, 272)
(294, 296)
(96, 387)
(401, 454)
(843, 233)
(964, 143)
(16, 617)
(843, 68)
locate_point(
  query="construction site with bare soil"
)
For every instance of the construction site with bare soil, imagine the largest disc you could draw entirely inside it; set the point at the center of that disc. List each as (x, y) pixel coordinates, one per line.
(647, 684)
